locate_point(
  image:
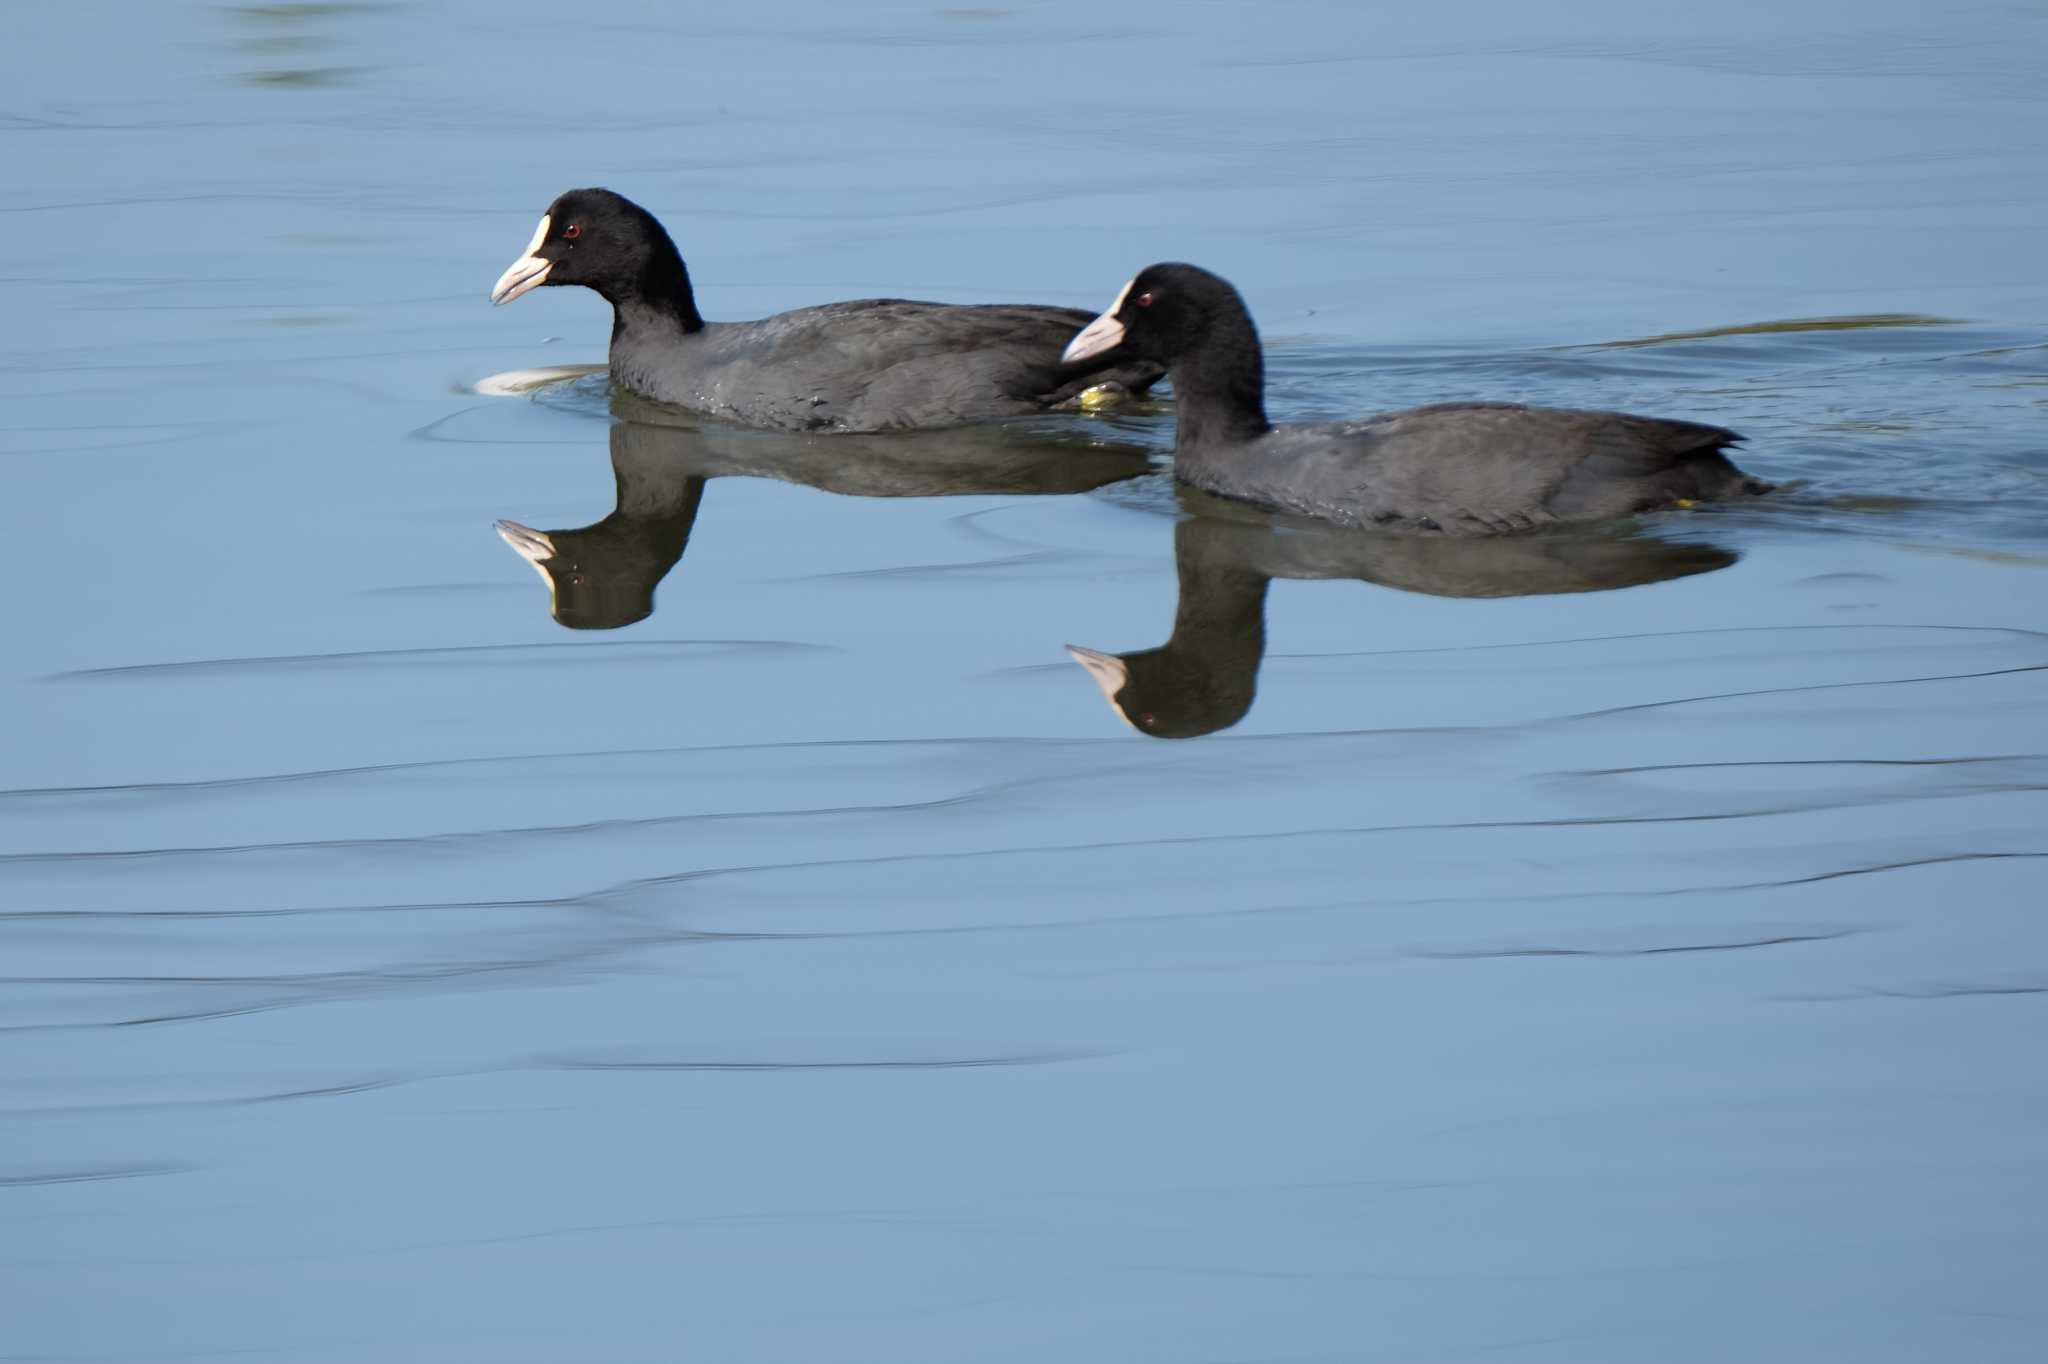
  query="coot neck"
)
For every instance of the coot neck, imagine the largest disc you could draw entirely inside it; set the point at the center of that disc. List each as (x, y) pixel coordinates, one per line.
(658, 298)
(1219, 388)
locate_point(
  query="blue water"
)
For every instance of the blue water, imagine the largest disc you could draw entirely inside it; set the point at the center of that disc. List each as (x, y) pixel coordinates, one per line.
(1615, 948)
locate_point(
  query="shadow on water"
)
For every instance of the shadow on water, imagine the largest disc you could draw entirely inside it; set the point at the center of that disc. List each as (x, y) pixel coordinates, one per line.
(603, 576)
(1203, 679)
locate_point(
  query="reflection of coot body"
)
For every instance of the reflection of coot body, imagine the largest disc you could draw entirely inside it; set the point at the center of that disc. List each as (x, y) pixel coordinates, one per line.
(1453, 468)
(878, 364)
(603, 576)
(1204, 677)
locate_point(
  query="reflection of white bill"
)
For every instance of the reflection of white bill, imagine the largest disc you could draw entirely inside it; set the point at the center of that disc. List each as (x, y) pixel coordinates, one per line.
(516, 381)
(1111, 673)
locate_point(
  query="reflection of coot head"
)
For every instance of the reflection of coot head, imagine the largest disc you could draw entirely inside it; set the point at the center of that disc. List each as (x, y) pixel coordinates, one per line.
(1204, 677)
(1171, 693)
(603, 576)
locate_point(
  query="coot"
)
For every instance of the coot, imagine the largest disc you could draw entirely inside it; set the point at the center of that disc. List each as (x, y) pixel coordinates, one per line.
(879, 364)
(1453, 468)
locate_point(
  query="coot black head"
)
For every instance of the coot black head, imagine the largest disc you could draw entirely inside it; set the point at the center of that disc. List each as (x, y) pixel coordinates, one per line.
(603, 241)
(1195, 324)
(1165, 312)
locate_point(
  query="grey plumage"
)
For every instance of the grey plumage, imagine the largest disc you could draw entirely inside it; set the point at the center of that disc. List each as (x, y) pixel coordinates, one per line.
(1473, 468)
(870, 365)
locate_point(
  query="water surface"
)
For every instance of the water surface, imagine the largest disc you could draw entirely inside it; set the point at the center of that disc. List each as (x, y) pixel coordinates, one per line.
(753, 938)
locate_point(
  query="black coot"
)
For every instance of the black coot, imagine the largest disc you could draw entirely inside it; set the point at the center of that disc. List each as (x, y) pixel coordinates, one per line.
(879, 364)
(1455, 468)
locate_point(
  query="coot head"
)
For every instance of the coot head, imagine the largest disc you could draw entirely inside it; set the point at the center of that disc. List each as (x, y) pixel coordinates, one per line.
(603, 241)
(1193, 324)
(1161, 315)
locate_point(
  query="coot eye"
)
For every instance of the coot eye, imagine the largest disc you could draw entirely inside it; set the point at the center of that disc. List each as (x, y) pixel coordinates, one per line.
(572, 232)
(1143, 300)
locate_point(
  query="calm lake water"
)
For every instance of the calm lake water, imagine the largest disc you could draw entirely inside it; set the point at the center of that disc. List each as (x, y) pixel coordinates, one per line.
(759, 941)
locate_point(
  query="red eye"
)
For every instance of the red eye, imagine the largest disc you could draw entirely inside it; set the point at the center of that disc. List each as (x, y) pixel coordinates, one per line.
(1143, 300)
(572, 232)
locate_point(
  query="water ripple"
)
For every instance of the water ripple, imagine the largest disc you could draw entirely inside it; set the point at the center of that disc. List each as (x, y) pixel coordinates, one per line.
(631, 650)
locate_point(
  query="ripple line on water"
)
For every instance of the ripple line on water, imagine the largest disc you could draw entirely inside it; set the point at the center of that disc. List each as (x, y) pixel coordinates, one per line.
(460, 652)
(1783, 940)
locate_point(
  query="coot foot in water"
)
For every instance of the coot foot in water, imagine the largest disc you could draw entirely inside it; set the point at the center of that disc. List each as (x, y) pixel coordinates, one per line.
(1453, 468)
(879, 364)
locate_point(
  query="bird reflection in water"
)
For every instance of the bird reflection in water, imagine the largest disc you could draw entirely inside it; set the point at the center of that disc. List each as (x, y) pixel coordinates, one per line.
(1204, 677)
(603, 576)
